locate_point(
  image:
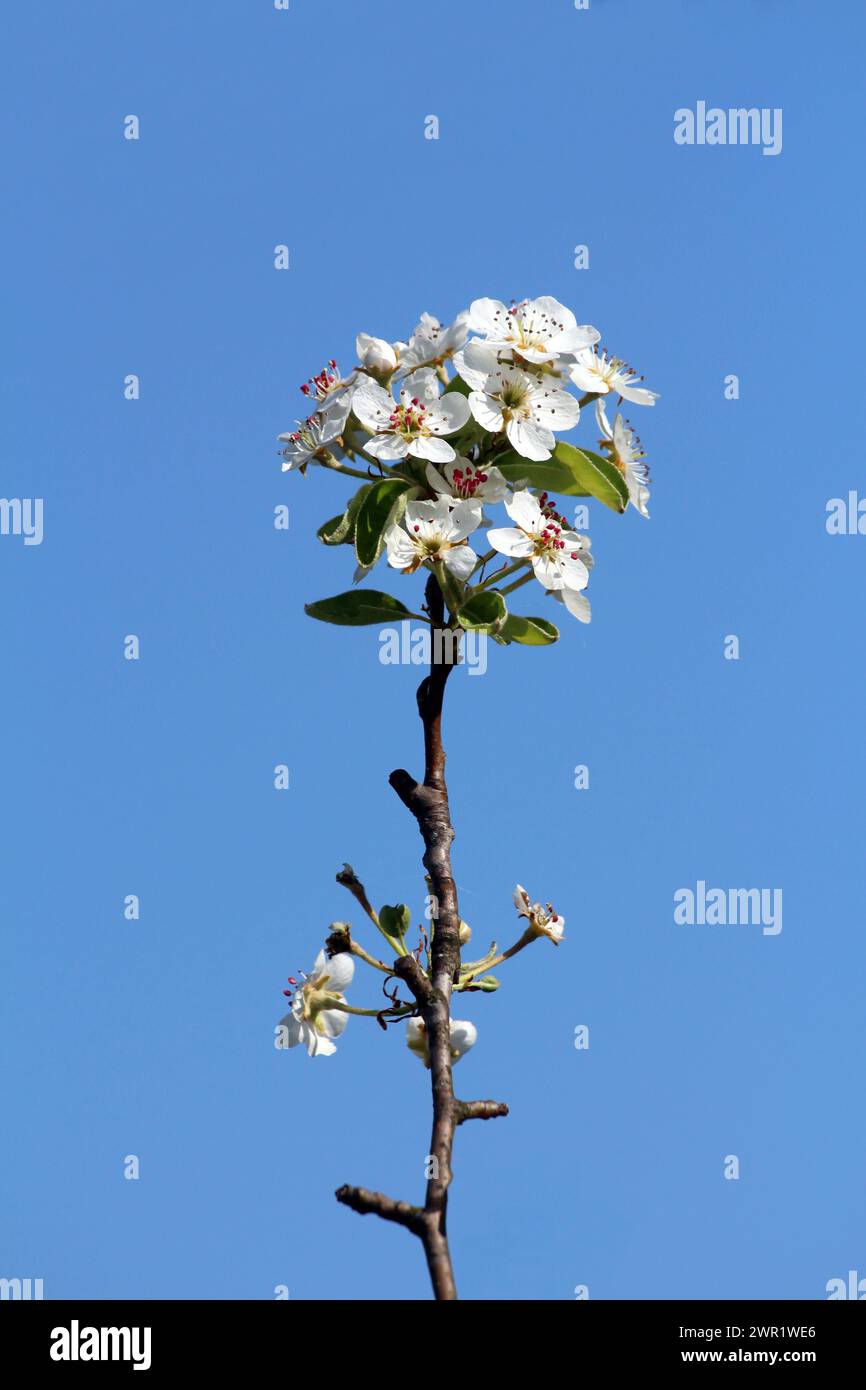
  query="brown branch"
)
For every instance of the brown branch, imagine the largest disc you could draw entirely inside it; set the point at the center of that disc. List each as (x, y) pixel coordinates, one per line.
(376, 1203)
(428, 802)
(479, 1110)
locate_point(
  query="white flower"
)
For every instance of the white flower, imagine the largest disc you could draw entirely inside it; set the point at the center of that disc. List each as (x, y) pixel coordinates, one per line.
(431, 345)
(537, 330)
(374, 354)
(600, 374)
(311, 1021)
(311, 436)
(462, 481)
(506, 397)
(624, 450)
(332, 394)
(414, 425)
(434, 531)
(559, 556)
(542, 921)
(463, 1036)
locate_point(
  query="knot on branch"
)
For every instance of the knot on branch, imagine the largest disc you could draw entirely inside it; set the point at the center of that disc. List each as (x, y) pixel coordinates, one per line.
(367, 1203)
(479, 1110)
(408, 970)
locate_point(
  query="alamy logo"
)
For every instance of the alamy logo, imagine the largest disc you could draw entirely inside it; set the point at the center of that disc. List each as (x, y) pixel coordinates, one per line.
(739, 125)
(22, 516)
(722, 907)
(76, 1343)
(855, 1287)
(408, 646)
(20, 1288)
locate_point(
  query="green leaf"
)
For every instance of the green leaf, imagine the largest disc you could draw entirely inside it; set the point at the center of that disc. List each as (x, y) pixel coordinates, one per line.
(395, 920)
(358, 608)
(458, 384)
(529, 632)
(550, 475)
(340, 529)
(380, 507)
(483, 612)
(571, 472)
(487, 982)
(596, 476)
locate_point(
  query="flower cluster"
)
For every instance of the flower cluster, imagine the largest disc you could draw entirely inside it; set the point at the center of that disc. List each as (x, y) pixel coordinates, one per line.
(460, 418)
(319, 1011)
(436, 431)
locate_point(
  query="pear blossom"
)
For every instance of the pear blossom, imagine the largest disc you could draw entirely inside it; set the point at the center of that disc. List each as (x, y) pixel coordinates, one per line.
(558, 555)
(416, 424)
(311, 1021)
(434, 531)
(375, 354)
(527, 407)
(542, 921)
(312, 436)
(431, 344)
(461, 480)
(332, 394)
(625, 452)
(463, 1036)
(537, 330)
(600, 374)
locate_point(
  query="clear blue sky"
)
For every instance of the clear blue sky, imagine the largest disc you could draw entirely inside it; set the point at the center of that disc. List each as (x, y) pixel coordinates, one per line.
(155, 1038)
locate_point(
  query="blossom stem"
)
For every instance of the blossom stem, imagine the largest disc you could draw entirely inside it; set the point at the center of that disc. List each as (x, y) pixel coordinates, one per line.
(502, 574)
(528, 936)
(358, 950)
(524, 579)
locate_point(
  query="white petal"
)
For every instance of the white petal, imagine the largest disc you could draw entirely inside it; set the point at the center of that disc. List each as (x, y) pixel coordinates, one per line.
(555, 410)
(333, 1021)
(430, 446)
(487, 316)
(530, 440)
(340, 970)
(373, 405)
(509, 541)
(449, 414)
(461, 560)
(401, 551)
(291, 1034)
(463, 520)
(525, 510)
(387, 446)
(487, 411)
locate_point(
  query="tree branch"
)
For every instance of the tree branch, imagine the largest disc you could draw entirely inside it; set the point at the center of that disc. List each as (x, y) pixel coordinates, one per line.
(428, 802)
(479, 1110)
(376, 1203)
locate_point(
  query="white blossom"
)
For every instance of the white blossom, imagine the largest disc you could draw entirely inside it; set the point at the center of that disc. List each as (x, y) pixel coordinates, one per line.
(434, 531)
(463, 1036)
(462, 481)
(537, 330)
(312, 435)
(416, 423)
(432, 344)
(558, 555)
(543, 921)
(625, 452)
(527, 407)
(600, 374)
(311, 1021)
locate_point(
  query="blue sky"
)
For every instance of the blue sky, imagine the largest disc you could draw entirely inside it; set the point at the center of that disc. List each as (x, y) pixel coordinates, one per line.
(155, 777)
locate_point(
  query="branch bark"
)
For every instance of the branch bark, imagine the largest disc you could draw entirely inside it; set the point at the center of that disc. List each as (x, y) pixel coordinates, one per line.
(428, 802)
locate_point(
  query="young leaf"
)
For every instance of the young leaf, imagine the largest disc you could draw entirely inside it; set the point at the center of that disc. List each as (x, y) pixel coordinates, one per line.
(483, 612)
(380, 507)
(340, 529)
(529, 632)
(395, 920)
(595, 475)
(358, 608)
